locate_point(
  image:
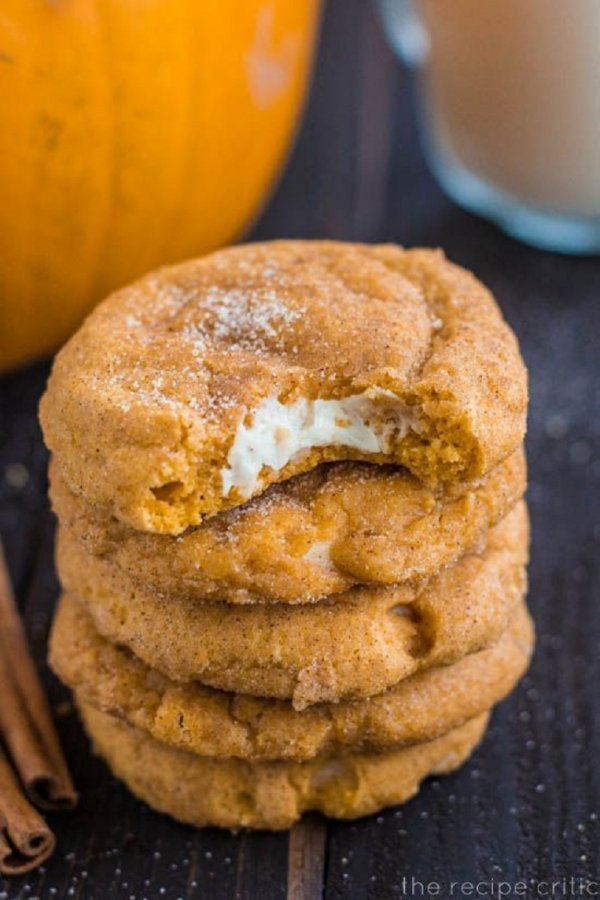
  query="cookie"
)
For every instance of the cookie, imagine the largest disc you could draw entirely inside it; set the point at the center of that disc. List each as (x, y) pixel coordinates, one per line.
(192, 390)
(234, 794)
(351, 645)
(314, 535)
(220, 724)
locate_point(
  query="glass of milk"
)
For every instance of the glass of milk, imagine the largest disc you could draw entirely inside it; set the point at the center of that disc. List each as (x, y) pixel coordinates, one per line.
(510, 109)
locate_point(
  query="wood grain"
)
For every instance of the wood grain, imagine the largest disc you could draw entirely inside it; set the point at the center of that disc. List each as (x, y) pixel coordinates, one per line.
(306, 859)
(528, 805)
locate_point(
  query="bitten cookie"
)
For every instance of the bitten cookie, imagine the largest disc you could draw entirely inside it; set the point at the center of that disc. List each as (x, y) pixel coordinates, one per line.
(215, 723)
(232, 793)
(311, 536)
(351, 645)
(192, 390)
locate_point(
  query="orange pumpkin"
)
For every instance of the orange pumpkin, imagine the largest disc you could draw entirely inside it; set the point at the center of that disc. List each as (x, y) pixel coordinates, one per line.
(133, 133)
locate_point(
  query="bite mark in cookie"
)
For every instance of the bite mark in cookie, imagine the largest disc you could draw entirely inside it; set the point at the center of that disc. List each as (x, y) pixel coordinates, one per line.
(307, 538)
(277, 433)
(204, 383)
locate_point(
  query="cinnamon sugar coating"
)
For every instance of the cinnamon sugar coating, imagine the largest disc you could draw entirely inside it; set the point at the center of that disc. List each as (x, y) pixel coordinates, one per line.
(221, 724)
(351, 645)
(149, 405)
(309, 537)
(234, 793)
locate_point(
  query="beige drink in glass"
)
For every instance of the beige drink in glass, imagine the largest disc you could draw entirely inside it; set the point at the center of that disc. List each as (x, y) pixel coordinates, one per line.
(511, 109)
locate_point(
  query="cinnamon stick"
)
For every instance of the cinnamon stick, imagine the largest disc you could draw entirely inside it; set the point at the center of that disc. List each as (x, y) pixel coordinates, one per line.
(25, 839)
(25, 721)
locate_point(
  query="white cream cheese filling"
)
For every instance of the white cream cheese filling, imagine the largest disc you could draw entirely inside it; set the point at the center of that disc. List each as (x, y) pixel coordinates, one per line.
(278, 432)
(319, 554)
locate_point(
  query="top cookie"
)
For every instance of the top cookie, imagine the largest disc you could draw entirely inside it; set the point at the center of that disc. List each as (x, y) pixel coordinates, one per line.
(192, 390)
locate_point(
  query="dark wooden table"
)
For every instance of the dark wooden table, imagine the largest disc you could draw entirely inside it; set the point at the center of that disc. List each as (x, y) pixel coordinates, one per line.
(527, 806)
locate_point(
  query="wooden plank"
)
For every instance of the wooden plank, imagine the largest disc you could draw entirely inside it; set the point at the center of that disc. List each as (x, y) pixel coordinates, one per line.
(261, 870)
(306, 859)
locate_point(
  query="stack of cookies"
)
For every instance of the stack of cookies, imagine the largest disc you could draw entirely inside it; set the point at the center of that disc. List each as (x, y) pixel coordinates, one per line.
(292, 540)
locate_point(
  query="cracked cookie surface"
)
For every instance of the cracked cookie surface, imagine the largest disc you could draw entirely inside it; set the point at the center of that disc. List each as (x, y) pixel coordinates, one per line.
(195, 388)
(220, 724)
(233, 793)
(311, 536)
(351, 645)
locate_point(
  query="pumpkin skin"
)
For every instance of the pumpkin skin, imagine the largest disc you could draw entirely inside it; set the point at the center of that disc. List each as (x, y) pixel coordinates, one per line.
(133, 133)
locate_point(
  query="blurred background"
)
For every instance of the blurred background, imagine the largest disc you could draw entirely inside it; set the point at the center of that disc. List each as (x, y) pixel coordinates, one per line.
(528, 806)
